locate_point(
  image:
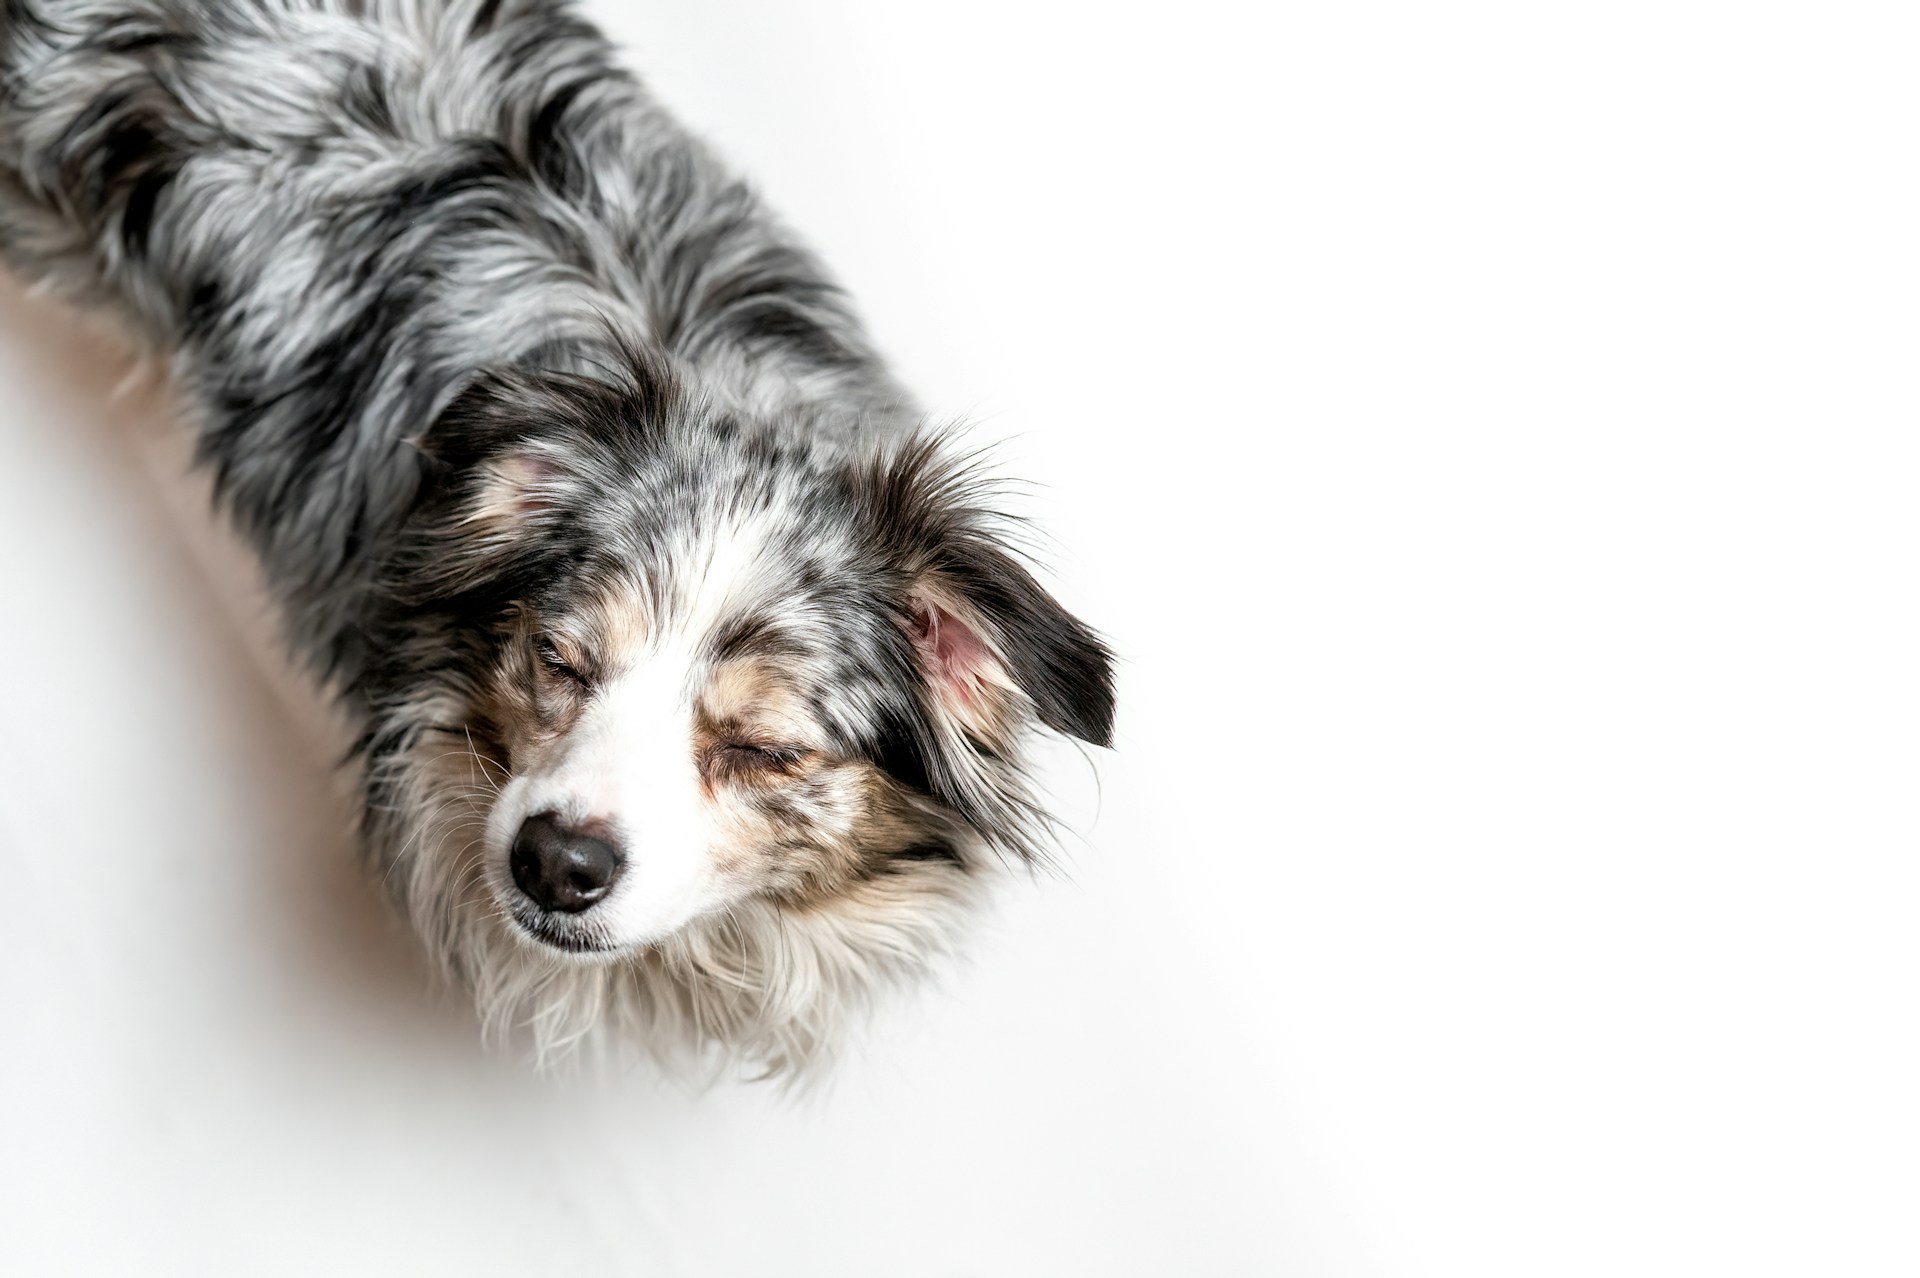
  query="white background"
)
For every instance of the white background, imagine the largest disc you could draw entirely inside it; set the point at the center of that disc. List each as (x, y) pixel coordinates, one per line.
(1488, 434)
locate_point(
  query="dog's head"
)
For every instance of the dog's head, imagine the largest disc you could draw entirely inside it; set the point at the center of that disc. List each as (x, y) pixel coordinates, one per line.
(730, 717)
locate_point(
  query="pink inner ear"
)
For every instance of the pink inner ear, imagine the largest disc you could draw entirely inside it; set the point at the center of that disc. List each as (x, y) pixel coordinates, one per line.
(958, 661)
(526, 480)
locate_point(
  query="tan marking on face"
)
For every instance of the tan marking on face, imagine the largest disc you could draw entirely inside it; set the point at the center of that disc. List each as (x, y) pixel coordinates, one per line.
(525, 707)
(798, 827)
(753, 701)
(809, 833)
(616, 627)
(530, 706)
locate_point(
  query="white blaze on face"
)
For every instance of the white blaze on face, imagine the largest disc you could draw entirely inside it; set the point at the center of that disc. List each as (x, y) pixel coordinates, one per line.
(628, 763)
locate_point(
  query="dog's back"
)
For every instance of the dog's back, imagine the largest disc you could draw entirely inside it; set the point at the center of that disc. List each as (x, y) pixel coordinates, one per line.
(331, 214)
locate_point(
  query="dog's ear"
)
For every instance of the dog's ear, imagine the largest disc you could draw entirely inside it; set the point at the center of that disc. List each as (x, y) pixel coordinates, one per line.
(512, 469)
(503, 452)
(989, 642)
(515, 444)
(982, 628)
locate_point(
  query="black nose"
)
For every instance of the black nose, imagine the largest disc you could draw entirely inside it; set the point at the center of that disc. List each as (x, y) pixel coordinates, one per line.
(562, 869)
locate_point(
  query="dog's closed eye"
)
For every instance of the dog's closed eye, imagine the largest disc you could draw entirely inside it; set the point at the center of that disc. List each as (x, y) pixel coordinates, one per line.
(556, 663)
(738, 758)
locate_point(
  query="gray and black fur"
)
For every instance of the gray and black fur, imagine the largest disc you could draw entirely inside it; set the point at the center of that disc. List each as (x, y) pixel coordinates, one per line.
(382, 241)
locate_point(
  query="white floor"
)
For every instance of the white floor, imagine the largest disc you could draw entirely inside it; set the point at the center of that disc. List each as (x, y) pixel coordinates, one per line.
(1487, 433)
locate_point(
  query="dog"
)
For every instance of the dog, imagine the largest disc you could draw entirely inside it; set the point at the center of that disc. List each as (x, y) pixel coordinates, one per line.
(694, 682)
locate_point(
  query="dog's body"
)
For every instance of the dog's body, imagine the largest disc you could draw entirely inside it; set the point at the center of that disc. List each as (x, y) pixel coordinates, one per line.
(693, 682)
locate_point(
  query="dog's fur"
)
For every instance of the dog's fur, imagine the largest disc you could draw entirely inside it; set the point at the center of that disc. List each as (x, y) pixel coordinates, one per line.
(577, 478)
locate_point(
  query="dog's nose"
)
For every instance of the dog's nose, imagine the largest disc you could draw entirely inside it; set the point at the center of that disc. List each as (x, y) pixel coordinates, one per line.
(562, 869)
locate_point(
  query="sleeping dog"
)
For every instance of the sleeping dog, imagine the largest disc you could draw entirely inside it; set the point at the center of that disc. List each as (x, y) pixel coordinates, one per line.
(693, 680)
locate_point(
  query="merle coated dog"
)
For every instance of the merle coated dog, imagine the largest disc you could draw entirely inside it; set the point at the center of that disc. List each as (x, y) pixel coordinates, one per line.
(693, 680)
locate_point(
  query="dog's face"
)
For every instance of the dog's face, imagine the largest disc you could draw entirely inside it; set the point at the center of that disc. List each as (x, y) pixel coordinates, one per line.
(678, 741)
(715, 681)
